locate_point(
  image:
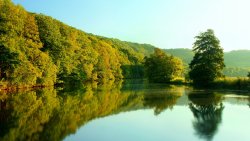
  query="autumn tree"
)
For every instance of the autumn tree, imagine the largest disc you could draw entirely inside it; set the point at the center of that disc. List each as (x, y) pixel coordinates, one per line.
(208, 61)
(20, 44)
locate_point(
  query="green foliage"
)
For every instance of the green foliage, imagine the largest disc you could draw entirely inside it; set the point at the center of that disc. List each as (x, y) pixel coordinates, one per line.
(48, 51)
(237, 62)
(208, 62)
(133, 71)
(39, 50)
(162, 68)
(8, 61)
(19, 35)
(237, 83)
(81, 56)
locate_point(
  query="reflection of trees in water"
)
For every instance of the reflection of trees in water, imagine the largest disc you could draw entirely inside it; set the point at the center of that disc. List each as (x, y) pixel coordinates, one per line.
(162, 98)
(5, 119)
(207, 110)
(160, 102)
(249, 101)
(29, 111)
(48, 114)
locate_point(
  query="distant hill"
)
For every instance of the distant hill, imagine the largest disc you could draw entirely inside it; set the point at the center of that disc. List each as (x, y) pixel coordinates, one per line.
(185, 54)
(237, 62)
(238, 58)
(145, 49)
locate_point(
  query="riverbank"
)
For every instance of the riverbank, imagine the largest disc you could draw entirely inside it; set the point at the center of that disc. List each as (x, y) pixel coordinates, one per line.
(22, 88)
(233, 83)
(223, 84)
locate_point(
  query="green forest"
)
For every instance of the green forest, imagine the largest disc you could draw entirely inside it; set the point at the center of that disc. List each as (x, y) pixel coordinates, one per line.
(37, 50)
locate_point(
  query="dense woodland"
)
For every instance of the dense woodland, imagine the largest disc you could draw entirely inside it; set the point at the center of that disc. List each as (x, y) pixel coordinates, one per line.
(37, 50)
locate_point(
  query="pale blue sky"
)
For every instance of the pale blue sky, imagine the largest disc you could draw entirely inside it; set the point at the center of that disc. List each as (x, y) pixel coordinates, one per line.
(163, 23)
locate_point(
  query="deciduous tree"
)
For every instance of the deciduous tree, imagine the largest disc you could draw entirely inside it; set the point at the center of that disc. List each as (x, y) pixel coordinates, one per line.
(208, 62)
(162, 68)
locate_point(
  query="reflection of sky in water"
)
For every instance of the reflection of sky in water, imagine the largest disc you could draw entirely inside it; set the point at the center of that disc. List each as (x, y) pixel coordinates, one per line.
(173, 125)
(138, 125)
(235, 123)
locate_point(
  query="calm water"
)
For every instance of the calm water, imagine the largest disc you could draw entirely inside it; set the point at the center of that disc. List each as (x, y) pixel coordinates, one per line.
(128, 111)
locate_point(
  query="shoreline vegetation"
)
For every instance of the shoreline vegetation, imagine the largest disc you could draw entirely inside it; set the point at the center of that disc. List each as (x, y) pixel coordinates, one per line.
(239, 84)
(37, 51)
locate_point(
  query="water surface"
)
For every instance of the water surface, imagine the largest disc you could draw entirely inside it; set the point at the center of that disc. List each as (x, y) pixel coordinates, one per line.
(128, 111)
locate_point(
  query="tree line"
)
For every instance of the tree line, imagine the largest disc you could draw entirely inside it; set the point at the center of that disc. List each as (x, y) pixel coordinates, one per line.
(205, 69)
(37, 50)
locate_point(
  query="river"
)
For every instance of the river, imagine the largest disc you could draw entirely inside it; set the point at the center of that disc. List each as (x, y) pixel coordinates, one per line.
(124, 111)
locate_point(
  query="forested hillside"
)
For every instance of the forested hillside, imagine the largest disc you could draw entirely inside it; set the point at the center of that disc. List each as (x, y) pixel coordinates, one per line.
(185, 54)
(39, 50)
(237, 63)
(238, 58)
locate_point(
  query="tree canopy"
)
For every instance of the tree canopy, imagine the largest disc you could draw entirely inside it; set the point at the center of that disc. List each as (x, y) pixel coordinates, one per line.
(39, 50)
(208, 61)
(162, 68)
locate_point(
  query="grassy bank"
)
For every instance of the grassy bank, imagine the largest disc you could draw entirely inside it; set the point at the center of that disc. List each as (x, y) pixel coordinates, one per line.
(237, 83)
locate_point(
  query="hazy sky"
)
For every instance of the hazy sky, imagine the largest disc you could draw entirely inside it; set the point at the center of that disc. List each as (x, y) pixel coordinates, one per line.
(163, 23)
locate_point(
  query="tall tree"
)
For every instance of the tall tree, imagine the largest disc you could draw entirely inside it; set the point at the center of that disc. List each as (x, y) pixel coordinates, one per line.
(208, 61)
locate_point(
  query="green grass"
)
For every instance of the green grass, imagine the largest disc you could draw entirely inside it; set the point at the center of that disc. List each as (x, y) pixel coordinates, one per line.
(237, 83)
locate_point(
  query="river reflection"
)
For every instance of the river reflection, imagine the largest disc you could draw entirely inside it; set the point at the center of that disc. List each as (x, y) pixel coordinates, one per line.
(152, 111)
(207, 109)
